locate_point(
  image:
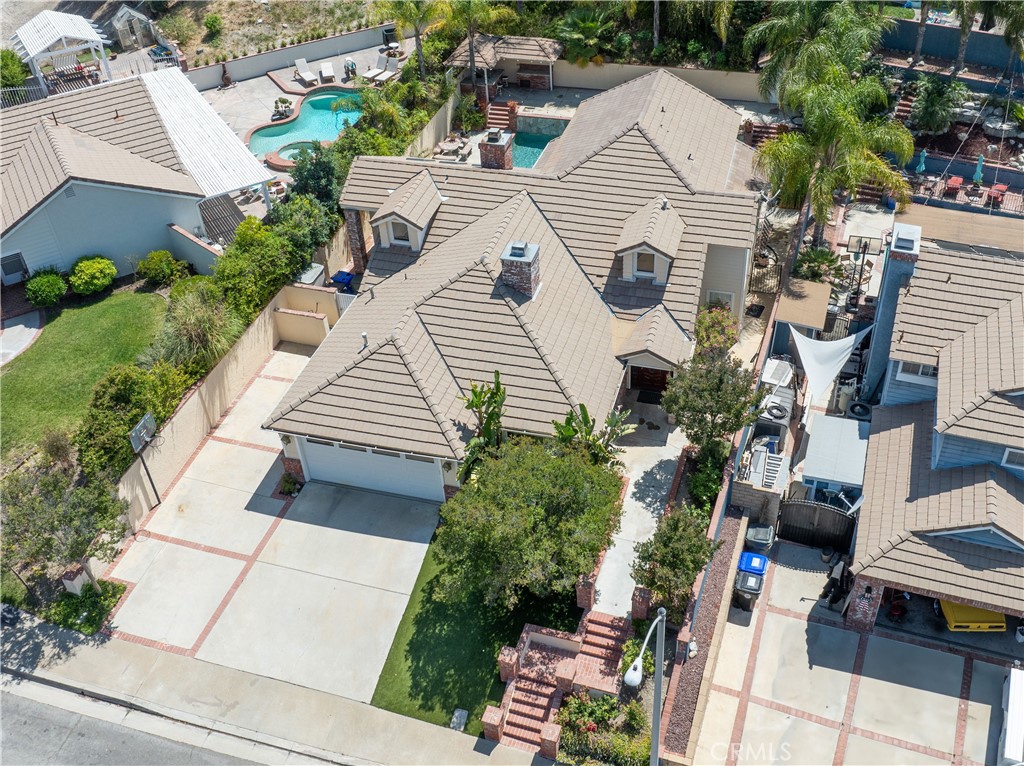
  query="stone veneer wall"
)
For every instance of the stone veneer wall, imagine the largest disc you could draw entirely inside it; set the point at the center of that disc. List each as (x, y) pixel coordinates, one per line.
(360, 243)
(541, 125)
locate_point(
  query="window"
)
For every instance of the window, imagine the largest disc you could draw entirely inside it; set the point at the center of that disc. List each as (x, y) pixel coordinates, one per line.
(921, 374)
(644, 263)
(1014, 458)
(719, 298)
(399, 233)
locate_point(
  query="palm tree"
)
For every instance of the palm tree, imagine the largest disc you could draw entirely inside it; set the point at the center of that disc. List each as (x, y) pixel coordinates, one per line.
(417, 15)
(965, 11)
(1011, 12)
(472, 15)
(840, 147)
(656, 32)
(582, 31)
(379, 110)
(920, 31)
(807, 37)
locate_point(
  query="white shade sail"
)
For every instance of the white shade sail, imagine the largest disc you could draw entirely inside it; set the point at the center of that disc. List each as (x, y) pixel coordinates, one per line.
(822, 360)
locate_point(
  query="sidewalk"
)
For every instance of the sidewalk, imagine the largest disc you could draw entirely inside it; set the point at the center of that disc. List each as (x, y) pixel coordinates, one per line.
(241, 704)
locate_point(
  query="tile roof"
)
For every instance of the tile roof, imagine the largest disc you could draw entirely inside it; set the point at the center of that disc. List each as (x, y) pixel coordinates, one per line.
(656, 225)
(490, 49)
(977, 370)
(415, 201)
(658, 334)
(52, 156)
(905, 499)
(454, 321)
(949, 293)
(804, 303)
(693, 133)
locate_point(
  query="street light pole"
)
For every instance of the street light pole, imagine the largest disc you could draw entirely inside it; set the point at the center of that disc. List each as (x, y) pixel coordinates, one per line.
(635, 676)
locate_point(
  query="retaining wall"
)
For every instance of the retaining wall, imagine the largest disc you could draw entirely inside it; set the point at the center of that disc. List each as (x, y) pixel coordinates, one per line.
(726, 86)
(258, 64)
(541, 125)
(943, 41)
(435, 131)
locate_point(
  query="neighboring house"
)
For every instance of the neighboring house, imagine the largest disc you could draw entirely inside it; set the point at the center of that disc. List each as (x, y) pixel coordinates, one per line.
(118, 169)
(943, 514)
(577, 281)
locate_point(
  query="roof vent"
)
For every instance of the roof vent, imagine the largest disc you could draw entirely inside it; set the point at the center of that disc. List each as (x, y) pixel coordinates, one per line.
(69, 192)
(520, 267)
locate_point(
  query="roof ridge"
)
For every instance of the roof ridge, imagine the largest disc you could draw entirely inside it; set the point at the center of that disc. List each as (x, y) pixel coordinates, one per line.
(55, 145)
(447, 430)
(955, 417)
(598, 150)
(505, 292)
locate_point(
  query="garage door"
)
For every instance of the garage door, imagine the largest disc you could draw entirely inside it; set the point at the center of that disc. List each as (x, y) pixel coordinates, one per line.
(377, 471)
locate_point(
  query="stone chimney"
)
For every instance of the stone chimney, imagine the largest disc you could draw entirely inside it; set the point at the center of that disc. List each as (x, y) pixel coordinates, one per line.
(360, 239)
(520, 267)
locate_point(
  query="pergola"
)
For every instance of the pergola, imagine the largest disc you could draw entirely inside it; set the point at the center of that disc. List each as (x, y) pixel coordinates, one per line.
(58, 38)
(489, 50)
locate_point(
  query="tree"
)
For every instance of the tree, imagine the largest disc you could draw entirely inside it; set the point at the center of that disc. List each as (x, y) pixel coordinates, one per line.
(716, 330)
(532, 521)
(936, 98)
(818, 264)
(1011, 13)
(316, 173)
(12, 71)
(806, 37)
(50, 520)
(840, 147)
(255, 266)
(922, 26)
(583, 31)
(669, 562)
(712, 397)
(487, 403)
(471, 16)
(579, 429)
(416, 15)
(965, 11)
(383, 111)
(305, 222)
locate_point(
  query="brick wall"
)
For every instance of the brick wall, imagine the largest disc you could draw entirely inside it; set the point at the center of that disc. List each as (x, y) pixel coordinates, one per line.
(521, 275)
(496, 155)
(537, 80)
(864, 602)
(360, 239)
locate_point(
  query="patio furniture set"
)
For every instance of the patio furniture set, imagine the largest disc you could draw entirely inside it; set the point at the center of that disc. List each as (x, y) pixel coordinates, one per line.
(454, 147)
(976, 193)
(303, 74)
(385, 70)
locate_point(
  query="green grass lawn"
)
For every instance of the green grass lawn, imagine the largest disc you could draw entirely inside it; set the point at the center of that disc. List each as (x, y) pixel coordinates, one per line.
(445, 656)
(899, 12)
(50, 384)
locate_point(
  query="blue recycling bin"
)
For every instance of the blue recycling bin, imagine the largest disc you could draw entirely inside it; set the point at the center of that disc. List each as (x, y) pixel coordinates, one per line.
(754, 563)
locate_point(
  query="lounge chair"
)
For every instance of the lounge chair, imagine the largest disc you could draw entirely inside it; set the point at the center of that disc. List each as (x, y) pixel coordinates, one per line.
(381, 68)
(387, 74)
(326, 72)
(303, 74)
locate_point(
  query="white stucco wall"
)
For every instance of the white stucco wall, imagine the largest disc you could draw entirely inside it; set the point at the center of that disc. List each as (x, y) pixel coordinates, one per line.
(105, 220)
(725, 269)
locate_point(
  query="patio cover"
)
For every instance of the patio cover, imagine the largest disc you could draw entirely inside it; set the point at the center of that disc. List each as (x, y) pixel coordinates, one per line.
(804, 303)
(837, 450)
(48, 28)
(822, 360)
(490, 49)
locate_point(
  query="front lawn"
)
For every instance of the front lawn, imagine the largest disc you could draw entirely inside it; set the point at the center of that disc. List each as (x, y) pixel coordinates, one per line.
(50, 384)
(445, 656)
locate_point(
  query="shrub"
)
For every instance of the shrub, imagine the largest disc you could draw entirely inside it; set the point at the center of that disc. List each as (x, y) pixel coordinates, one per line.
(817, 264)
(704, 484)
(214, 25)
(92, 274)
(199, 283)
(85, 613)
(631, 649)
(932, 110)
(254, 267)
(197, 332)
(716, 329)
(161, 268)
(12, 70)
(45, 288)
(583, 713)
(634, 716)
(178, 27)
(57, 447)
(612, 747)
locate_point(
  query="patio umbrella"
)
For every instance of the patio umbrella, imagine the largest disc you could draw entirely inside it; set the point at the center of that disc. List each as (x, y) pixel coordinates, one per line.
(920, 163)
(977, 173)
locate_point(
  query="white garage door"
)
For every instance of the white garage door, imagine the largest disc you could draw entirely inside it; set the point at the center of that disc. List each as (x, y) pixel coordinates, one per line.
(381, 472)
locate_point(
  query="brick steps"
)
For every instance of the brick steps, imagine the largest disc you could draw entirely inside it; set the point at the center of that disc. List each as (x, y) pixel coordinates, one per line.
(498, 116)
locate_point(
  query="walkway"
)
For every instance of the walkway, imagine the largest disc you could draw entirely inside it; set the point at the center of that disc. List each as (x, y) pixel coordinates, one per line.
(651, 457)
(18, 334)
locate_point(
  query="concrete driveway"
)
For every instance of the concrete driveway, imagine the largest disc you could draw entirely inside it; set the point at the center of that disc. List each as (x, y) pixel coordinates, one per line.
(792, 685)
(229, 571)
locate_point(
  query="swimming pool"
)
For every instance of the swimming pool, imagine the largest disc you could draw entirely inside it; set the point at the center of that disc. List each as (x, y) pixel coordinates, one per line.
(316, 122)
(527, 148)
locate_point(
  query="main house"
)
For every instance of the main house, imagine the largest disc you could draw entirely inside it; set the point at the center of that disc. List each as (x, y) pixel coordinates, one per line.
(577, 279)
(119, 169)
(943, 514)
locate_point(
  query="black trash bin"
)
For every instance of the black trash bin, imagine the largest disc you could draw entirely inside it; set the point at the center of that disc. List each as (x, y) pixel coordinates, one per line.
(760, 538)
(746, 590)
(390, 35)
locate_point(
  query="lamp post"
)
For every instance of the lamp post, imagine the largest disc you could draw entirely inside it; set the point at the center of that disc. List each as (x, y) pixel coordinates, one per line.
(635, 676)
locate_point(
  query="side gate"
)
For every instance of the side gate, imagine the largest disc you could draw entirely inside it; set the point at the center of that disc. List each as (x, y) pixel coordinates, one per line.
(816, 524)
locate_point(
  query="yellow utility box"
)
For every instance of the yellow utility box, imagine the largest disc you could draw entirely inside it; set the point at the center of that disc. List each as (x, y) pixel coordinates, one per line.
(971, 619)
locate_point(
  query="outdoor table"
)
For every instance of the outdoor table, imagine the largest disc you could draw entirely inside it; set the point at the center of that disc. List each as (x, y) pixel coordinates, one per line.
(449, 146)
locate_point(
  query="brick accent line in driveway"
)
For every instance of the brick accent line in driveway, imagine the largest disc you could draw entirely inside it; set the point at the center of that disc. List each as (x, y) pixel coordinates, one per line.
(851, 700)
(961, 713)
(237, 443)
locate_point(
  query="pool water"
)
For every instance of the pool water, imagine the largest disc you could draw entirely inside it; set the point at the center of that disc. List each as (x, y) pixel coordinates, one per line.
(316, 122)
(527, 148)
(291, 151)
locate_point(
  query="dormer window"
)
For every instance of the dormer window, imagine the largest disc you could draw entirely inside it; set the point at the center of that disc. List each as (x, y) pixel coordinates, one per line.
(644, 264)
(399, 233)
(649, 241)
(921, 374)
(394, 232)
(404, 217)
(1013, 458)
(641, 263)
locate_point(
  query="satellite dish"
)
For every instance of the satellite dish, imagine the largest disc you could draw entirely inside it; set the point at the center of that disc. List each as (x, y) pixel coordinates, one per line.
(143, 432)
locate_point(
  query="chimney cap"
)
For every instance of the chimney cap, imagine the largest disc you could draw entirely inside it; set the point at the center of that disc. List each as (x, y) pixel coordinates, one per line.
(520, 251)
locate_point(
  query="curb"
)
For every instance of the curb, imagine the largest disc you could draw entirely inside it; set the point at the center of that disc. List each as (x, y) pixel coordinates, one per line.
(282, 746)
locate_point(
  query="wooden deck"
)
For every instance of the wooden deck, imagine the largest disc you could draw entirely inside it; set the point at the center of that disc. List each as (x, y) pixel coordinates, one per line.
(967, 197)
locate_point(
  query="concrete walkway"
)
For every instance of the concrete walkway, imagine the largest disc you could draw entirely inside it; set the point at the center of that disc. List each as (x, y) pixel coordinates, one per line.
(19, 333)
(651, 456)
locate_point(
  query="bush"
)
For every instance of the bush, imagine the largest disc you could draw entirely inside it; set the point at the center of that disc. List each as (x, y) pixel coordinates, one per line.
(634, 716)
(584, 713)
(214, 25)
(85, 613)
(199, 283)
(196, 333)
(631, 649)
(613, 747)
(92, 274)
(161, 268)
(45, 288)
(254, 267)
(305, 222)
(12, 70)
(179, 27)
(57, 447)
(932, 110)
(704, 484)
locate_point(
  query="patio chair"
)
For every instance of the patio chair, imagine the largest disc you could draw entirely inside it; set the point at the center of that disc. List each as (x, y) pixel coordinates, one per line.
(326, 72)
(954, 184)
(381, 68)
(387, 74)
(303, 74)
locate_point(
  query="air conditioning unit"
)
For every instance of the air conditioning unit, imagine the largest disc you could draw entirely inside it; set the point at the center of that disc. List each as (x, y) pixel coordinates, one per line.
(859, 411)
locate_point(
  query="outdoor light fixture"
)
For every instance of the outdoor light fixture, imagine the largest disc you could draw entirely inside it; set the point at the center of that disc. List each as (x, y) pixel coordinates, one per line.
(635, 676)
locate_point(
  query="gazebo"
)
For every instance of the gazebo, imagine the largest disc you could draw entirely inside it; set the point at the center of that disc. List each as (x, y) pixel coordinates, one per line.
(527, 62)
(58, 38)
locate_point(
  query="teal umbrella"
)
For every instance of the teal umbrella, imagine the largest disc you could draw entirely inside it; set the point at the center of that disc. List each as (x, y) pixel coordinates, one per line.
(920, 162)
(977, 173)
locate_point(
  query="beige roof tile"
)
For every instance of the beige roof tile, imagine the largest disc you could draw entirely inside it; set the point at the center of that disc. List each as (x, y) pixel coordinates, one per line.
(905, 500)
(658, 334)
(656, 225)
(490, 49)
(415, 201)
